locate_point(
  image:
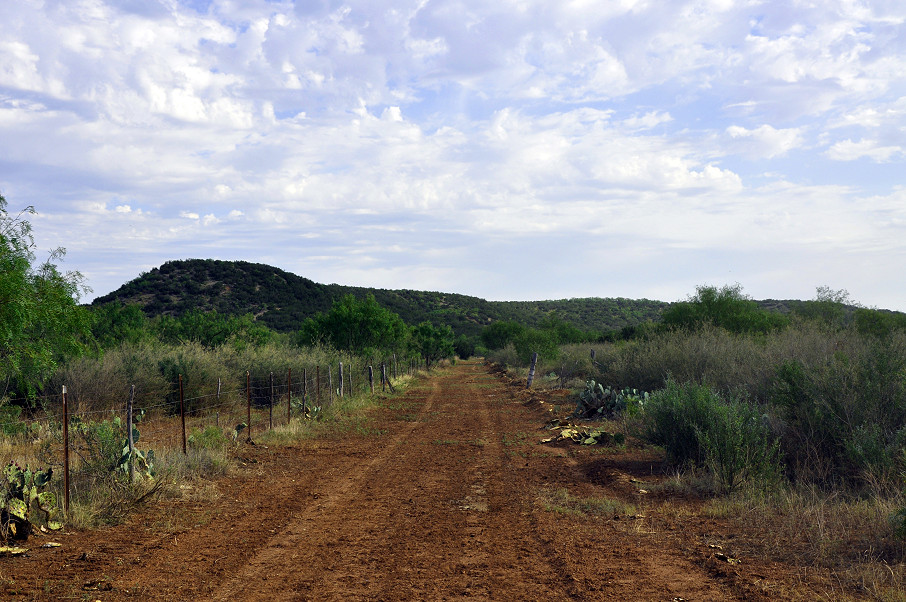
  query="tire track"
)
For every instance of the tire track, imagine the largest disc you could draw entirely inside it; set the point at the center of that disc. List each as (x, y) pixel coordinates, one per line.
(271, 561)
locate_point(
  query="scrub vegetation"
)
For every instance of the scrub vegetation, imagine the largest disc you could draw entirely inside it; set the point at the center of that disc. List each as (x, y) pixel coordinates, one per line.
(769, 416)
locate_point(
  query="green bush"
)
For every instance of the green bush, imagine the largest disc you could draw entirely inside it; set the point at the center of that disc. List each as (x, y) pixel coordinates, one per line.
(844, 416)
(10, 423)
(211, 437)
(697, 426)
(99, 446)
(464, 347)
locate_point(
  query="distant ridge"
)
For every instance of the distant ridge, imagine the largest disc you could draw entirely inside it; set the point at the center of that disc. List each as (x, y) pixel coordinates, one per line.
(282, 300)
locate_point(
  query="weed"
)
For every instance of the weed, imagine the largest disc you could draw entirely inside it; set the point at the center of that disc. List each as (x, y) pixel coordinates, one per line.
(518, 438)
(562, 501)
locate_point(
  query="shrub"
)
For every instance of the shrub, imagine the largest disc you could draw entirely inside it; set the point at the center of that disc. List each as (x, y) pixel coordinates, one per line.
(696, 425)
(843, 417)
(211, 437)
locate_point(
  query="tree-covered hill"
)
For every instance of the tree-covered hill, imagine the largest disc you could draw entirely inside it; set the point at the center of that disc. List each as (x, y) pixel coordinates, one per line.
(282, 300)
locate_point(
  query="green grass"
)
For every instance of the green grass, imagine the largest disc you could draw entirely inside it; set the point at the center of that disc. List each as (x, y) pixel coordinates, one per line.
(561, 501)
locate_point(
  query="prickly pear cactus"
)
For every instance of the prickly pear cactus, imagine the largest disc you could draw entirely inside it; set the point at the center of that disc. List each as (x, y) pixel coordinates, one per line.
(24, 504)
(142, 462)
(596, 401)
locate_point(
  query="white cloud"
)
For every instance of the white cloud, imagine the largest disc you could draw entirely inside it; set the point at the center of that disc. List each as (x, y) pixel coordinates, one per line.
(628, 129)
(764, 141)
(849, 150)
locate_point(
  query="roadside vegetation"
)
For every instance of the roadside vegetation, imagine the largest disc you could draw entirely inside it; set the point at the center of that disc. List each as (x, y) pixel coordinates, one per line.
(794, 423)
(220, 369)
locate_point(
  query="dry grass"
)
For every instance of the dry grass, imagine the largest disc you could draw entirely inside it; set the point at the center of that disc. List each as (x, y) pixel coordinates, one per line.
(852, 537)
(562, 501)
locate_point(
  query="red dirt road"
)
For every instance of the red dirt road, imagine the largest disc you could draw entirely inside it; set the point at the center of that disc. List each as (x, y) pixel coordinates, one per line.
(443, 493)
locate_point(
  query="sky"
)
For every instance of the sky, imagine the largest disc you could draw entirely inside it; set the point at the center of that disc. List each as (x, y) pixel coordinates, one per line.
(510, 150)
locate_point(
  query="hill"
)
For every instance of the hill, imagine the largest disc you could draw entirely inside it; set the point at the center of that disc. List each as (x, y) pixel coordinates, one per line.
(282, 300)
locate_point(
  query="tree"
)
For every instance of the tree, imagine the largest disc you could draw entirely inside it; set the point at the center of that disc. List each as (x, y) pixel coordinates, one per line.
(360, 327)
(833, 307)
(534, 340)
(464, 346)
(116, 323)
(499, 334)
(433, 343)
(41, 322)
(212, 329)
(725, 307)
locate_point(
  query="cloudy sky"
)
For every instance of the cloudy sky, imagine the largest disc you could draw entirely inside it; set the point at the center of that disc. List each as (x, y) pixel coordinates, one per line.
(514, 149)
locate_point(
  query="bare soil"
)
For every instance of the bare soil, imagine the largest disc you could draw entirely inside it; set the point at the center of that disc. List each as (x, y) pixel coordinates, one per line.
(443, 493)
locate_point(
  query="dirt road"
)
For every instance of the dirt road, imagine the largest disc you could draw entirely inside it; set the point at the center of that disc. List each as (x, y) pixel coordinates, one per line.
(442, 493)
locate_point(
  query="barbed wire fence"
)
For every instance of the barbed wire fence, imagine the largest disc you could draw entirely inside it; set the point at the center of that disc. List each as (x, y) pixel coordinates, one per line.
(64, 432)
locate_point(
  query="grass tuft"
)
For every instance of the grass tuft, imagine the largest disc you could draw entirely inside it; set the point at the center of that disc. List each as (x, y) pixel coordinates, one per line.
(561, 501)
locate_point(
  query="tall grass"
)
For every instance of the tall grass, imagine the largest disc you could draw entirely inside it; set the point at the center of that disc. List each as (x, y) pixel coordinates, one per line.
(833, 397)
(101, 384)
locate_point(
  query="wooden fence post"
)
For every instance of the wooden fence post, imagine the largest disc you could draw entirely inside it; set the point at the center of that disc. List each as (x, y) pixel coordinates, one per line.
(329, 384)
(304, 390)
(270, 405)
(371, 379)
(289, 393)
(65, 453)
(531, 372)
(383, 376)
(182, 414)
(318, 384)
(129, 436)
(341, 380)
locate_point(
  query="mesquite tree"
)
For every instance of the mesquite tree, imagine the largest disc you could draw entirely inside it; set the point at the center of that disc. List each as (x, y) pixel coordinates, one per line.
(41, 322)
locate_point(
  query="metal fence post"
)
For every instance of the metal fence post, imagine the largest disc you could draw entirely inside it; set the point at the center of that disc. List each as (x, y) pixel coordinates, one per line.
(65, 453)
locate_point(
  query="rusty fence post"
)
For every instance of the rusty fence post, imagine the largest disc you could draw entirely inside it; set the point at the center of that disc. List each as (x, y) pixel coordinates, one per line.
(248, 404)
(65, 453)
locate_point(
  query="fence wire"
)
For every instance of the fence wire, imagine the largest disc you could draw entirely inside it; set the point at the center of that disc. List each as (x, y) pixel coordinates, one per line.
(262, 401)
